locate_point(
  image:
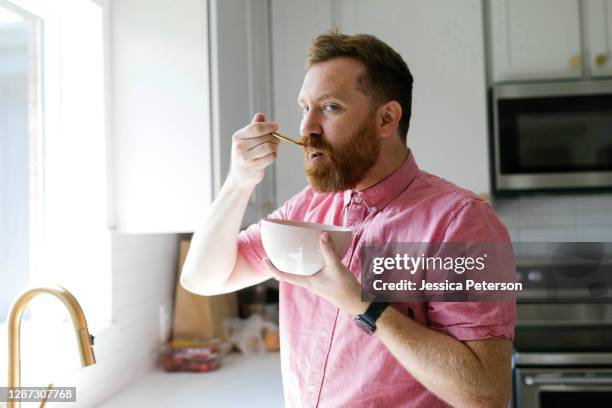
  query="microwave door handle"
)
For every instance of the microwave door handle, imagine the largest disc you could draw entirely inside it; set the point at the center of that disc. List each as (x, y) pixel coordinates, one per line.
(534, 380)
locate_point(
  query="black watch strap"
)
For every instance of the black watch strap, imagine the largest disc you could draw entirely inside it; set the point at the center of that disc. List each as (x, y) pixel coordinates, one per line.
(367, 320)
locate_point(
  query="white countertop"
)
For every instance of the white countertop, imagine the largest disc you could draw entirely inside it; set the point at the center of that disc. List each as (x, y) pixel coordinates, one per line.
(241, 381)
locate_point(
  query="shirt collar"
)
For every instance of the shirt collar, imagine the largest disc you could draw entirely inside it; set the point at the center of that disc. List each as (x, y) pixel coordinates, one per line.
(379, 195)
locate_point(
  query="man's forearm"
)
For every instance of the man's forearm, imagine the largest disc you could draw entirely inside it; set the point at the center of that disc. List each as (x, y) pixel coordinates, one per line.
(443, 364)
(213, 250)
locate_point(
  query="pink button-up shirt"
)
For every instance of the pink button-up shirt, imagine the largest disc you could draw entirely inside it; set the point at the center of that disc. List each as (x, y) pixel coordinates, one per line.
(326, 360)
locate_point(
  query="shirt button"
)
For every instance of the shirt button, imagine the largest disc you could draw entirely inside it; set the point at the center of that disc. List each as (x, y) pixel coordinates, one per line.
(357, 199)
(374, 209)
(324, 333)
(312, 388)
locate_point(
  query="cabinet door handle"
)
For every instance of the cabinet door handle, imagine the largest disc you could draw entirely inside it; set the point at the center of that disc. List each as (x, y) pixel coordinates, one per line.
(575, 61)
(601, 59)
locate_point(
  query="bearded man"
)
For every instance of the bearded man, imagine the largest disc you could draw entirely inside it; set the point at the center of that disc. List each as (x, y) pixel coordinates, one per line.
(356, 106)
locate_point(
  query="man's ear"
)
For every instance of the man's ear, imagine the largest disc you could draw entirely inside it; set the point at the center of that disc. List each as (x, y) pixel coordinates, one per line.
(390, 115)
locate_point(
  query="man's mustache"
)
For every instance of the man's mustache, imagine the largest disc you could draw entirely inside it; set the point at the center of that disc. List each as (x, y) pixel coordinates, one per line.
(316, 143)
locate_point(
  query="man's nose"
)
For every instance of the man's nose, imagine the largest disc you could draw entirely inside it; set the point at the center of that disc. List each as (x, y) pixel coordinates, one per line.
(311, 124)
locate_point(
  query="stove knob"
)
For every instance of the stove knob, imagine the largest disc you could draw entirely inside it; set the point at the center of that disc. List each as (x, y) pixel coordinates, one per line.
(534, 276)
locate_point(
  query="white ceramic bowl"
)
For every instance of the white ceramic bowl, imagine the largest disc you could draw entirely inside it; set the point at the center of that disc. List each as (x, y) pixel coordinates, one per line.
(293, 246)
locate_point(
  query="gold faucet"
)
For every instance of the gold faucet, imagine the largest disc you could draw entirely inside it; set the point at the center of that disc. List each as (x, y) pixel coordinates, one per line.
(84, 339)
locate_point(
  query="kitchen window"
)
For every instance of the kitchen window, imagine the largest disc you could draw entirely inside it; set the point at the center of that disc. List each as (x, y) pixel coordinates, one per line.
(53, 177)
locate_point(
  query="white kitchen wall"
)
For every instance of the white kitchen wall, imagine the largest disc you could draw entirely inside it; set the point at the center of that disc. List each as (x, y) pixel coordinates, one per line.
(241, 80)
(293, 24)
(144, 271)
(558, 218)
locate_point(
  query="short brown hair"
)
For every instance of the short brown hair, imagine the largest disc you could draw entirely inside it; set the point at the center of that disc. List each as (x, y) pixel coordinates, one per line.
(387, 76)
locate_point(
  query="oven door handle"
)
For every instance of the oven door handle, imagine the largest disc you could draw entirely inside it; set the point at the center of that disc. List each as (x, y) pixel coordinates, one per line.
(534, 380)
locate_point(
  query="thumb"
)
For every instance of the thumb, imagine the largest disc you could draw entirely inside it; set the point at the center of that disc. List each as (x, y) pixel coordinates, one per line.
(259, 117)
(327, 249)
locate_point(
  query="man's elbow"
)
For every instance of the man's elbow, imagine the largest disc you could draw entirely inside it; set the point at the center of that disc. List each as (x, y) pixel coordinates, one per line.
(189, 282)
(193, 283)
(492, 403)
(490, 400)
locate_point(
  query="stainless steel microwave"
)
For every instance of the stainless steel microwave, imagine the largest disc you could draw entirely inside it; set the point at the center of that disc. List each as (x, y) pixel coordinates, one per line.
(552, 136)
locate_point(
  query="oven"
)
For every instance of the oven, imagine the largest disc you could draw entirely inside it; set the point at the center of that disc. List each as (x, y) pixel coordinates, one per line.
(565, 387)
(563, 338)
(563, 355)
(552, 136)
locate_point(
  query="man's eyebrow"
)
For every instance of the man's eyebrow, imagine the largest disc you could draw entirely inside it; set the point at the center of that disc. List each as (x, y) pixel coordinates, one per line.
(325, 96)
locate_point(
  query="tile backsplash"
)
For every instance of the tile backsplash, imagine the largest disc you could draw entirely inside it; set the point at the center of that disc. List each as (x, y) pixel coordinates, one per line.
(557, 218)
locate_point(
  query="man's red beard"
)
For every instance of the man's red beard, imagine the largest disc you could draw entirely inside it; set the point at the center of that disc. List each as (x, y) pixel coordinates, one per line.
(343, 167)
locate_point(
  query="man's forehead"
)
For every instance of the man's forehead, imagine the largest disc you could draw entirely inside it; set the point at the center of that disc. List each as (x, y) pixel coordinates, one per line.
(336, 78)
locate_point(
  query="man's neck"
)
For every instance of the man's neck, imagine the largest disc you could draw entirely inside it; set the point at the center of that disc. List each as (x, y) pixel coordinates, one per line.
(388, 161)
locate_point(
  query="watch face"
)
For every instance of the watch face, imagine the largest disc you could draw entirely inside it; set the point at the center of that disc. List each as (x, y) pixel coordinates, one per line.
(365, 326)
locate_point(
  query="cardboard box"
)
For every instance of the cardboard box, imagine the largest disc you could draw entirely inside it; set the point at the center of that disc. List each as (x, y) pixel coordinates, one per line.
(200, 317)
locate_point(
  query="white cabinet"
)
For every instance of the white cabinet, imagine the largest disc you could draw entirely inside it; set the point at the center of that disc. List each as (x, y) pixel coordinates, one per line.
(535, 39)
(598, 15)
(172, 126)
(161, 114)
(549, 39)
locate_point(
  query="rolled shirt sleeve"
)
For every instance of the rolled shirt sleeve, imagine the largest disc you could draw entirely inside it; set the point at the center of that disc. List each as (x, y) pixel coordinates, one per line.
(249, 240)
(475, 223)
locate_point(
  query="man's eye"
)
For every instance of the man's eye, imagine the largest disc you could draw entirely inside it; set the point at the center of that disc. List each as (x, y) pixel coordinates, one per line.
(303, 109)
(331, 107)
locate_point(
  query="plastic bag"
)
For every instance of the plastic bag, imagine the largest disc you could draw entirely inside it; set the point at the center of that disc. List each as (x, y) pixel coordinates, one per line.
(246, 334)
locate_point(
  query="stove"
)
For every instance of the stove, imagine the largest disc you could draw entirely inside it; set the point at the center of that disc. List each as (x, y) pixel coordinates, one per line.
(563, 355)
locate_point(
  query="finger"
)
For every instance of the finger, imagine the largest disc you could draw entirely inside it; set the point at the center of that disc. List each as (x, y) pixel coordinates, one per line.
(258, 129)
(283, 276)
(263, 162)
(251, 149)
(259, 117)
(249, 144)
(262, 150)
(327, 249)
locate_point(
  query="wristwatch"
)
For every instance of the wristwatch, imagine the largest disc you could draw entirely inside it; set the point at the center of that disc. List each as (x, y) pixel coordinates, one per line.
(367, 320)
